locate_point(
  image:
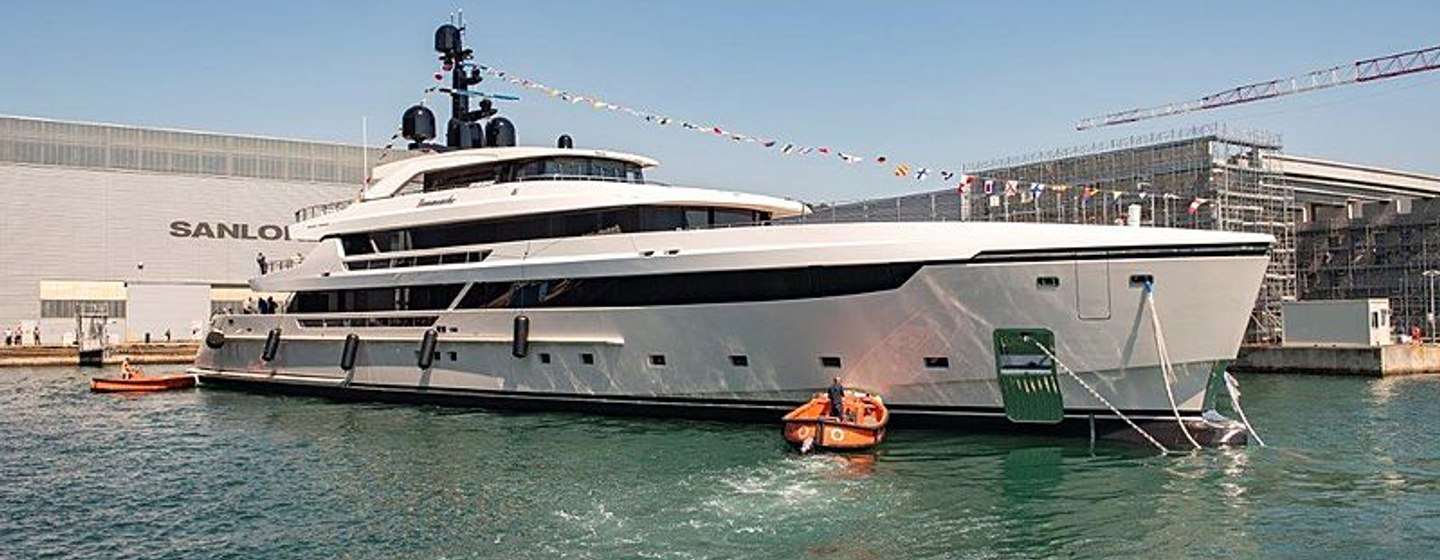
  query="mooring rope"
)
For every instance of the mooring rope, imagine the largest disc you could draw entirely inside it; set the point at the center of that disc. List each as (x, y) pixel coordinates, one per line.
(1097, 396)
(1167, 369)
(1233, 388)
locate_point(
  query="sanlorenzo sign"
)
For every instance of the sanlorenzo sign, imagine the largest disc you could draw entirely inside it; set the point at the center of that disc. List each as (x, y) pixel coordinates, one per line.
(228, 230)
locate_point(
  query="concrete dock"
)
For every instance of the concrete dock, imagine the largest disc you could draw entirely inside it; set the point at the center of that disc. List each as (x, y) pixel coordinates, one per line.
(154, 353)
(1367, 361)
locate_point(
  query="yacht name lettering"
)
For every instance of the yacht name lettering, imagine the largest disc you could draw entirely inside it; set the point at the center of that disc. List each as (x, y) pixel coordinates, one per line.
(435, 202)
(228, 230)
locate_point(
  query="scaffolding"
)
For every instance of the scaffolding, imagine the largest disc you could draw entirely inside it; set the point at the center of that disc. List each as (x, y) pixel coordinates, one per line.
(1162, 173)
(1382, 255)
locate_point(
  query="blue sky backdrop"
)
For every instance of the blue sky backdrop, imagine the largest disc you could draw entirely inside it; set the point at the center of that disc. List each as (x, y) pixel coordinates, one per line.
(930, 83)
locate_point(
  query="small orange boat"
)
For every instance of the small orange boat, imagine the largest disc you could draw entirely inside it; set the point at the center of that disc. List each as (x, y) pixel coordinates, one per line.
(132, 379)
(141, 384)
(862, 424)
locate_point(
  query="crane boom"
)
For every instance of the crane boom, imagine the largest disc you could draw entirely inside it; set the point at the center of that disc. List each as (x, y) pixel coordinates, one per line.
(1360, 71)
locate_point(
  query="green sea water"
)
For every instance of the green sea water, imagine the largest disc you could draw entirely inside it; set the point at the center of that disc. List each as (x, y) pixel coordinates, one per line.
(1352, 471)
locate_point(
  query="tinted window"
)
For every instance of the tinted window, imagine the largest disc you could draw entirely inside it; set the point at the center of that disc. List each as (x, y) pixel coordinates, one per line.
(725, 216)
(578, 167)
(376, 299)
(462, 178)
(691, 288)
(544, 226)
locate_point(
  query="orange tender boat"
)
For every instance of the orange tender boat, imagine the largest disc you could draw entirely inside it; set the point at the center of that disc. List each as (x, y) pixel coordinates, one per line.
(132, 379)
(862, 426)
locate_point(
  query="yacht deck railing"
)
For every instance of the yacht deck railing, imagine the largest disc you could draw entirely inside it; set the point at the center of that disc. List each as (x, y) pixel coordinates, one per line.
(316, 210)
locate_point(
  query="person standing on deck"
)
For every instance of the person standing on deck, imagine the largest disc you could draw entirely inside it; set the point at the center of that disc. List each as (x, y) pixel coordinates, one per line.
(8, 336)
(836, 394)
(260, 260)
(36, 332)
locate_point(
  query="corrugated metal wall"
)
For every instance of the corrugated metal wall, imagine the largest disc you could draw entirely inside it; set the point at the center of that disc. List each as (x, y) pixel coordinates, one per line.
(100, 202)
(74, 224)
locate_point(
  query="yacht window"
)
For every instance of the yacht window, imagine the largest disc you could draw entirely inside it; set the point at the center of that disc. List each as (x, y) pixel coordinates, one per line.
(389, 241)
(697, 218)
(535, 168)
(1140, 280)
(830, 361)
(414, 185)
(551, 225)
(358, 244)
(1047, 282)
(427, 297)
(579, 167)
(661, 219)
(477, 176)
(692, 288)
(740, 360)
(609, 169)
(725, 217)
(566, 167)
(937, 362)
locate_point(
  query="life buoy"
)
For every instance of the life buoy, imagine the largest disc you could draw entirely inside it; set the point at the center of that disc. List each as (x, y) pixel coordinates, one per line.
(837, 434)
(802, 432)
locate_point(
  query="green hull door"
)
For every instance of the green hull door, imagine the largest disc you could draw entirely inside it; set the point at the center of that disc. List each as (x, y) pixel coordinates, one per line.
(1029, 382)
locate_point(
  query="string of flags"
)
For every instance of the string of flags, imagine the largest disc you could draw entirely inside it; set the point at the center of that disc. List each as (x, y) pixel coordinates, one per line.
(963, 183)
(384, 153)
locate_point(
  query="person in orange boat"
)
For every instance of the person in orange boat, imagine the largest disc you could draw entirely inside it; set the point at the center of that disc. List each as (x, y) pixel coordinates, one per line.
(836, 394)
(128, 371)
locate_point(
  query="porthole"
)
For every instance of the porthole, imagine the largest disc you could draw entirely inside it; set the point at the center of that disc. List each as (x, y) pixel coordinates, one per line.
(544, 357)
(657, 359)
(1047, 282)
(587, 358)
(740, 360)
(830, 361)
(454, 356)
(937, 362)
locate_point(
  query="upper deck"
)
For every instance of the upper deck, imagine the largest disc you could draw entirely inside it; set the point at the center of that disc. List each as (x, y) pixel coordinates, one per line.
(483, 166)
(496, 183)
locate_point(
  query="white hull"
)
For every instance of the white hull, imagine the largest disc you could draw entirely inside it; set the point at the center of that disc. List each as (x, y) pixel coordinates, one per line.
(882, 339)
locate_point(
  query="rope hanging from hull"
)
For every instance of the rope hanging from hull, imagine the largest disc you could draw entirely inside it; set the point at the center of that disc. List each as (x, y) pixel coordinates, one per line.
(1102, 400)
(1167, 369)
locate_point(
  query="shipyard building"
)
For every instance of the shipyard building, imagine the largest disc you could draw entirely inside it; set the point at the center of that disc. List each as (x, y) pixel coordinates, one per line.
(152, 230)
(1342, 230)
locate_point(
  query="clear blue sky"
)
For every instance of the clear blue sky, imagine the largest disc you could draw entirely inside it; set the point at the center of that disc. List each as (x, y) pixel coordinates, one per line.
(933, 83)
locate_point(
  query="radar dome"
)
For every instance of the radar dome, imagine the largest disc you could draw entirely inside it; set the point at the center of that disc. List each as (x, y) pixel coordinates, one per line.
(418, 124)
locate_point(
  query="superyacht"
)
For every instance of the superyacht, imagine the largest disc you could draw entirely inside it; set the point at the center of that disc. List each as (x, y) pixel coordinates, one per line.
(482, 273)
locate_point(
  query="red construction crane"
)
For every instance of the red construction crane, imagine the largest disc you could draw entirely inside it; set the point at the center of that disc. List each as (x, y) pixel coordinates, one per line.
(1362, 71)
